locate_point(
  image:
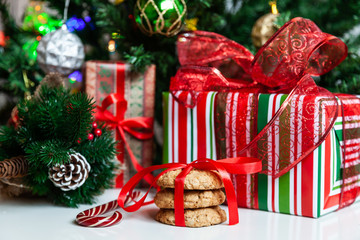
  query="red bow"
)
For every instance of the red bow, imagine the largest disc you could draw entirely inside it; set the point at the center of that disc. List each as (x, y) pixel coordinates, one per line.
(297, 49)
(283, 65)
(138, 127)
(224, 167)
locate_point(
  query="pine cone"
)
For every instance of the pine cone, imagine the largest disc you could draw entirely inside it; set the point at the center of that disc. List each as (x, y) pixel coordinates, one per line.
(13, 167)
(71, 175)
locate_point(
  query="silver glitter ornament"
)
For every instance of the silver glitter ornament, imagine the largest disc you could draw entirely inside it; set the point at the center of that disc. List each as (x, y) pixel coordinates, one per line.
(60, 51)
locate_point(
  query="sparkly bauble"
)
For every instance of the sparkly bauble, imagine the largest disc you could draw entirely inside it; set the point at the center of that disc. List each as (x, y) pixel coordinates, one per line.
(263, 29)
(71, 175)
(164, 17)
(97, 132)
(94, 125)
(90, 137)
(60, 51)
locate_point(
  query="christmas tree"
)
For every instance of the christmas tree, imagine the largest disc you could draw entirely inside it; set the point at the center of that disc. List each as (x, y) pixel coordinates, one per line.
(119, 29)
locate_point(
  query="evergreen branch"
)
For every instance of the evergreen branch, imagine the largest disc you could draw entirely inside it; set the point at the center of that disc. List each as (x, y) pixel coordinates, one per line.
(139, 58)
(47, 153)
(79, 110)
(50, 124)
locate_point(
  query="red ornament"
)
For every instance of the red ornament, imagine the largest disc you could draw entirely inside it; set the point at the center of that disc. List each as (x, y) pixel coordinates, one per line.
(97, 132)
(94, 125)
(79, 141)
(90, 137)
(2, 39)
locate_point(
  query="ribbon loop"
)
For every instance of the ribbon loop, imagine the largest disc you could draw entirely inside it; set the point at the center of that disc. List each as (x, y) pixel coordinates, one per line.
(138, 127)
(202, 48)
(282, 65)
(297, 48)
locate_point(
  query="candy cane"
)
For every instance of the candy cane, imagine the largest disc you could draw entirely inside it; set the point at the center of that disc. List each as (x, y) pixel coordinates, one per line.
(90, 218)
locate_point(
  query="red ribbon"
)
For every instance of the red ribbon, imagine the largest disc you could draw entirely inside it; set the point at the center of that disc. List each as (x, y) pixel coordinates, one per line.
(225, 167)
(296, 49)
(138, 127)
(283, 65)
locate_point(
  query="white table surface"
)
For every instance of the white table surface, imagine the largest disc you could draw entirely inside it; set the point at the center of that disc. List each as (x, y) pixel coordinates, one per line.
(36, 219)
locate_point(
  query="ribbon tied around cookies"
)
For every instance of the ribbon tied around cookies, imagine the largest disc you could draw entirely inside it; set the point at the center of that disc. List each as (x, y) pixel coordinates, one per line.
(225, 167)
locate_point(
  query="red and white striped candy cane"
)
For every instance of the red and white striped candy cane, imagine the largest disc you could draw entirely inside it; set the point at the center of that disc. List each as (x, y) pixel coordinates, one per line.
(90, 217)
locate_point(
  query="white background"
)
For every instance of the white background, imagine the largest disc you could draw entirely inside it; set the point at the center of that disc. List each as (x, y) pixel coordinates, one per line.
(37, 219)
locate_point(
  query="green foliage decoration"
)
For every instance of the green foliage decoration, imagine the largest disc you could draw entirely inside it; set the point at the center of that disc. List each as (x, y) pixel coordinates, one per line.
(54, 124)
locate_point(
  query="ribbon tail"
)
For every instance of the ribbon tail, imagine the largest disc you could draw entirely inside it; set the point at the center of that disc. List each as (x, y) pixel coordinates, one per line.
(131, 184)
(149, 178)
(179, 197)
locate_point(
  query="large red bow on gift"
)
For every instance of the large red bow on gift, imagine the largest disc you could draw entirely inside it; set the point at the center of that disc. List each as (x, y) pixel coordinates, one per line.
(282, 65)
(297, 49)
(211, 62)
(138, 127)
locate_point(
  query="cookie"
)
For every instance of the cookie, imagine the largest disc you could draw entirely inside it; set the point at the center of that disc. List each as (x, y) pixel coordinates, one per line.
(195, 180)
(192, 199)
(201, 217)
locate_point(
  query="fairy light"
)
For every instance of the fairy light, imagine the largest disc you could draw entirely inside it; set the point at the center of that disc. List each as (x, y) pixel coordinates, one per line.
(115, 35)
(166, 5)
(273, 7)
(37, 8)
(111, 46)
(75, 23)
(75, 76)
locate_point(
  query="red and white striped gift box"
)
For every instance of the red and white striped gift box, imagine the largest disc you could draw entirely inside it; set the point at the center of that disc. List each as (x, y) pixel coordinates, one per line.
(312, 188)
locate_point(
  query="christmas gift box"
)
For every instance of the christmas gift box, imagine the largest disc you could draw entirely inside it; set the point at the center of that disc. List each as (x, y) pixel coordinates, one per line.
(268, 107)
(125, 102)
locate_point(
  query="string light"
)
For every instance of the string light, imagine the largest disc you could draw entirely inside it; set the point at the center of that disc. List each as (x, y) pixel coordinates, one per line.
(115, 35)
(166, 5)
(75, 76)
(273, 7)
(30, 49)
(87, 19)
(111, 46)
(38, 8)
(75, 23)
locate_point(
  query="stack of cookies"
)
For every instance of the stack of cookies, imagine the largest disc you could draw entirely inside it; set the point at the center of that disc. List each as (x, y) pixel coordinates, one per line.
(202, 195)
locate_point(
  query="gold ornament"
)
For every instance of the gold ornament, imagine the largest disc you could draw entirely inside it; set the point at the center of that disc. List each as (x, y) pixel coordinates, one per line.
(264, 27)
(116, 2)
(190, 24)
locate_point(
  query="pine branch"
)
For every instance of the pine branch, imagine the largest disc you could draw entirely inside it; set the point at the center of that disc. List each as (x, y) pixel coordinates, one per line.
(79, 108)
(47, 153)
(139, 58)
(51, 123)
